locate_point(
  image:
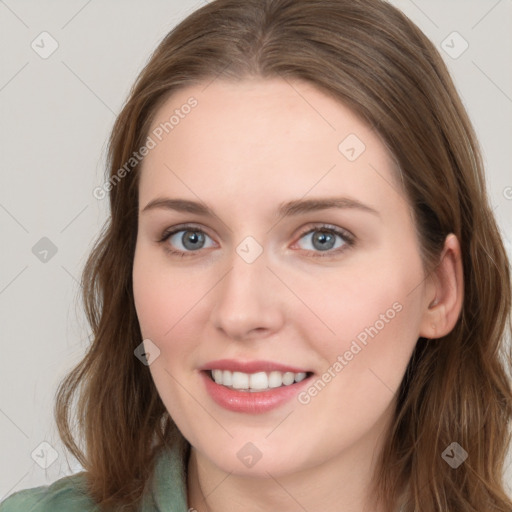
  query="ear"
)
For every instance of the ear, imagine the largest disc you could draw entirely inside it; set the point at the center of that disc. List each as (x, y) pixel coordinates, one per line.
(444, 292)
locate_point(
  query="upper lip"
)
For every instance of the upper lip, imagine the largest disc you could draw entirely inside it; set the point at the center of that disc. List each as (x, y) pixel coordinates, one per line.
(250, 366)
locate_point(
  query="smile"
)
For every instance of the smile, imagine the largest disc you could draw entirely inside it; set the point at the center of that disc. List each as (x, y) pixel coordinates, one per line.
(253, 382)
(259, 381)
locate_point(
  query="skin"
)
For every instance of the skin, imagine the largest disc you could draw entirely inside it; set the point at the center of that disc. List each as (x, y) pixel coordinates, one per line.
(246, 148)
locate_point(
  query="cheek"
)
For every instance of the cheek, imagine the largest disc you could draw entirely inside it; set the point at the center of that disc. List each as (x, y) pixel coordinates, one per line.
(373, 319)
(161, 297)
(171, 310)
(365, 362)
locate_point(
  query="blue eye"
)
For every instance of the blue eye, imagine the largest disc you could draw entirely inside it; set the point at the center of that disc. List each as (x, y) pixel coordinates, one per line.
(325, 240)
(191, 239)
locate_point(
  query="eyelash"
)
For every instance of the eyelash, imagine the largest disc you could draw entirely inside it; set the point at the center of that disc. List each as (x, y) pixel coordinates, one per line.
(348, 239)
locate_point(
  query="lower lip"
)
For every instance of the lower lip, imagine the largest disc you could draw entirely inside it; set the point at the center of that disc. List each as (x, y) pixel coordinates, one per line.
(256, 402)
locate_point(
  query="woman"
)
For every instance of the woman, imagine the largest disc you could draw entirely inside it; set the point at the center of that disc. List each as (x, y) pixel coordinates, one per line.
(301, 297)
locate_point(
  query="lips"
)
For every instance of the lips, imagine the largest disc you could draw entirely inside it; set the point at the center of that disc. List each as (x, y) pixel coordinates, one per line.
(251, 366)
(252, 386)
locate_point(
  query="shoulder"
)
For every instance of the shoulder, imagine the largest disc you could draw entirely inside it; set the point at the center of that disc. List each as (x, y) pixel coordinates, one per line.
(67, 494)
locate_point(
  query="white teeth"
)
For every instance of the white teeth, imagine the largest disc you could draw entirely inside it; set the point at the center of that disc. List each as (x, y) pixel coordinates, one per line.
(240, 380)
(275, 380)
(300, 376)
(259, 381)
(288, 378)
(227, 378)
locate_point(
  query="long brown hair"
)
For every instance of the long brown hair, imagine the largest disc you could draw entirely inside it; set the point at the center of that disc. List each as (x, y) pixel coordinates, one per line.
(371, 57)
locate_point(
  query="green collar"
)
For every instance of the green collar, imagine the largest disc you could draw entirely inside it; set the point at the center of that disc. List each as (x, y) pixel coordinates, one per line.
(169, 484)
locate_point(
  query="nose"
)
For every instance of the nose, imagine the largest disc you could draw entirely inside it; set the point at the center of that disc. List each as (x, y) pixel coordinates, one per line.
(248, 301)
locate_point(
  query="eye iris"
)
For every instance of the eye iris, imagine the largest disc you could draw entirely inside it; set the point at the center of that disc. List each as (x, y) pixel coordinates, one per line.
(325, 239)
(193, 237)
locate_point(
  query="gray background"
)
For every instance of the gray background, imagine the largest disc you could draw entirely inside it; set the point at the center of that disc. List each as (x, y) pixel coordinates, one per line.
(56, 114)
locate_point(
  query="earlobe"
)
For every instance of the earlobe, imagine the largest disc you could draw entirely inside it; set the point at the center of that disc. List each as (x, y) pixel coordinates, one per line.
(447, 287)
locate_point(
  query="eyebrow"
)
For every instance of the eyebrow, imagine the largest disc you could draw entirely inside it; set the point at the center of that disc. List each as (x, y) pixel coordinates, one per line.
(288, 209)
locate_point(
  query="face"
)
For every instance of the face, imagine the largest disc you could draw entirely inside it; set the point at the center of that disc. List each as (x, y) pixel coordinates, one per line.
(315, 306)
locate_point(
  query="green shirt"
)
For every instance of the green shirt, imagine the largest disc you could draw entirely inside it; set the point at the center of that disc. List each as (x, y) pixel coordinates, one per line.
(168, 492)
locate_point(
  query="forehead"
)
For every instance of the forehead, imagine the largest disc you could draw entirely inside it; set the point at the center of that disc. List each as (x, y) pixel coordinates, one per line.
(255, 109)
(262, 135)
